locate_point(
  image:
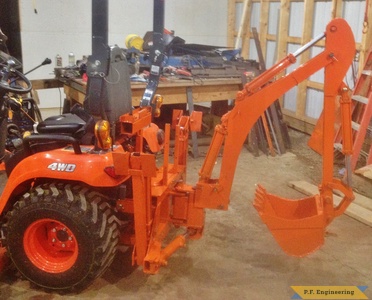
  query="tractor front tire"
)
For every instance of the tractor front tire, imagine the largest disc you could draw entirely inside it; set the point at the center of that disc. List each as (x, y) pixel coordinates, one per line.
(61, 236)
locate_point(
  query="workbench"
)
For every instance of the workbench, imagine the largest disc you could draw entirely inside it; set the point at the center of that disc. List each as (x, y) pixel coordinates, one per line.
(174, 91)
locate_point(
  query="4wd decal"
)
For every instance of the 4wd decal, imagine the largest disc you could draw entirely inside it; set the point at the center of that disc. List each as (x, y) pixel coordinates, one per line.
(61, 167)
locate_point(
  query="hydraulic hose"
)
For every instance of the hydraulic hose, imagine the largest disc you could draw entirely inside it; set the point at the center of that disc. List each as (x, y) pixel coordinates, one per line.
(3, 133)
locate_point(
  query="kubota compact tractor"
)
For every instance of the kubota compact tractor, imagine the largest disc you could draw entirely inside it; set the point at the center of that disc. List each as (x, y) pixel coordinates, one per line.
(65, 211)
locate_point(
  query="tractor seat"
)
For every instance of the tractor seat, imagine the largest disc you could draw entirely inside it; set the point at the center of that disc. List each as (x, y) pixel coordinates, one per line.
(75, 128)
(69, 124)
(76, 124)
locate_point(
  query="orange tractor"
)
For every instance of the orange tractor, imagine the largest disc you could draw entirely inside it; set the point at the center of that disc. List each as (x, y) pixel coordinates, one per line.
(66, 211)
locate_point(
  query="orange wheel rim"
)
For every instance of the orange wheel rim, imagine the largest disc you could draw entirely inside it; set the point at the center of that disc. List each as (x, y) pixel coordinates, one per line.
(50, 246)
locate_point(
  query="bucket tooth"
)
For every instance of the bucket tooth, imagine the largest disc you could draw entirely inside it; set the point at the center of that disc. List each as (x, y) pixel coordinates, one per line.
(297, 225)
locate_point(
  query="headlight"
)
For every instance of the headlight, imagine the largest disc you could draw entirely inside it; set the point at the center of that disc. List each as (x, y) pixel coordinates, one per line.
(158, 101)
(102, 133)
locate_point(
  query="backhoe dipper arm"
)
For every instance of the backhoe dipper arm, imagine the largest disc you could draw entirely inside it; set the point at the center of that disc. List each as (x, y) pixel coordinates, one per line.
(259, 94)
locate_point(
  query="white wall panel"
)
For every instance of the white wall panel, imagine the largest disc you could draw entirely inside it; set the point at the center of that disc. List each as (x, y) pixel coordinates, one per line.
(290, 97)
(253, 50)
(58, 27)
(314, 103)
(350, 10)
(238, 14)
(254, 23)
(255, 15)
(322, 16)
(197, 21)
(274, 10)
(270, 53)
(296, 19)
(318, 76)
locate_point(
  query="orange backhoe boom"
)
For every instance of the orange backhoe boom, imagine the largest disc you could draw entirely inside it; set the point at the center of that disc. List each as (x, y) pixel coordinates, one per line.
(258, 95)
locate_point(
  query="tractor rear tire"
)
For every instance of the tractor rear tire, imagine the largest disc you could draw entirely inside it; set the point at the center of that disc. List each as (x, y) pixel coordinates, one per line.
(61, 236)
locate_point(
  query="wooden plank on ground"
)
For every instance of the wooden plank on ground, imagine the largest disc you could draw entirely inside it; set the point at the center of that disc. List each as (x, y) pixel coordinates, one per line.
(306, 125)
(360, 209)
(365, 171)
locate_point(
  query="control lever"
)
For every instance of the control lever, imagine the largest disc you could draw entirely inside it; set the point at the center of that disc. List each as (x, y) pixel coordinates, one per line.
(46, 61)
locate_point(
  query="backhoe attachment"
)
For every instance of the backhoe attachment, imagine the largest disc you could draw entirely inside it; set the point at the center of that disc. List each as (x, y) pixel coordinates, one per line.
(299, 225)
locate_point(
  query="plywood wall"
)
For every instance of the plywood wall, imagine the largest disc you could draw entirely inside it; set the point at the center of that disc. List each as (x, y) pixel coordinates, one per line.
(285, 26)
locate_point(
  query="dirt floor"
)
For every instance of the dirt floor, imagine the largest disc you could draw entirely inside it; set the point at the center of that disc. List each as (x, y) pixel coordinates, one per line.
(238, 258)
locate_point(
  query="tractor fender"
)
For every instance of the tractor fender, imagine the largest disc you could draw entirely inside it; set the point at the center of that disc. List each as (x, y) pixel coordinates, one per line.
(64, 164)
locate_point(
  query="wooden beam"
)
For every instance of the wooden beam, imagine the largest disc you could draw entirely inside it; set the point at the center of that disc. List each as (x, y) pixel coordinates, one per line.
(360, 209)
(336, 11)
(303, 124)
(315, 85)
(246, 33)
(366, 43)
(242, 25)
(283, 29)
(306, 37)
(294, 40)
(264, 23)
(231, 16)
(365, 171)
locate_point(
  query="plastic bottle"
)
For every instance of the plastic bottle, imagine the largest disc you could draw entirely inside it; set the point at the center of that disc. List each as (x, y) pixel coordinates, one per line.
(71, 59)
(58, 61)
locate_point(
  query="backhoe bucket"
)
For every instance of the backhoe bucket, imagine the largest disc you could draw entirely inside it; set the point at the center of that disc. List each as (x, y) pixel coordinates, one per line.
(297, 225)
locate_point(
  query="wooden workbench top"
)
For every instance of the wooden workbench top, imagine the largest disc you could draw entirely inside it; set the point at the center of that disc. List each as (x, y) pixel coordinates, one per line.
(169, 82)
(174, 91)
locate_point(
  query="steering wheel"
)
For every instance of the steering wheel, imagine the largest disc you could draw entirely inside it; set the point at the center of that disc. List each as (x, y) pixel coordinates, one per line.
(12, 80)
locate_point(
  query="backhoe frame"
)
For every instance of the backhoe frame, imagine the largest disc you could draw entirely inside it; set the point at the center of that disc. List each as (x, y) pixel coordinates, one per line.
(251, 103)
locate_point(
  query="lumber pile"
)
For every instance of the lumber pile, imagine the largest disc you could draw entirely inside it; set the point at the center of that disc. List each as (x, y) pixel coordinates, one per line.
(360, 209)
